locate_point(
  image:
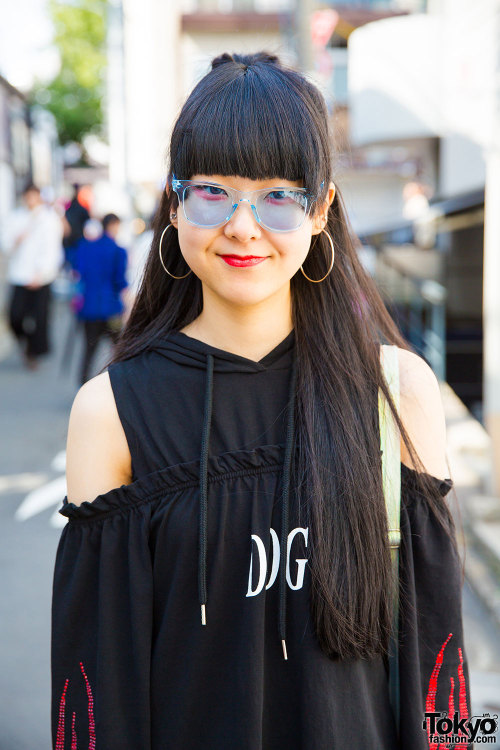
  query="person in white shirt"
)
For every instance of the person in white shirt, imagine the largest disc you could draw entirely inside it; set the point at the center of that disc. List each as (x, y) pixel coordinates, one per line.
(33, 241)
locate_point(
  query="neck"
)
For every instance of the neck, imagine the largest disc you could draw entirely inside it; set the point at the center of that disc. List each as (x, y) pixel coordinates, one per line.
(250, 332)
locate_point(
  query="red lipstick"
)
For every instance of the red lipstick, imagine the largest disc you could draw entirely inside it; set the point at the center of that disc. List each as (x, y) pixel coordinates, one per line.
(242, 261)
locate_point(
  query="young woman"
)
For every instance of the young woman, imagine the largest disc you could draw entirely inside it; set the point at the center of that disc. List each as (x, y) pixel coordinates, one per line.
(224, 580)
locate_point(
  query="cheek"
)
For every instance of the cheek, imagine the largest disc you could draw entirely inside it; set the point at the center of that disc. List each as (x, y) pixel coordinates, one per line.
(193, 243)
(294, 251)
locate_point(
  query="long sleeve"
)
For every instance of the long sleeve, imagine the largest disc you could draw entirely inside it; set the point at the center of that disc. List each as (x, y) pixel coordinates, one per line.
(49, 236)
(102, 626)
(120, 281)
(433, 664)
(12, 227)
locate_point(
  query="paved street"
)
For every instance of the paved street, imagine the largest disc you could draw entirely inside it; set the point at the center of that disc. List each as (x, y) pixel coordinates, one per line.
(34, 417)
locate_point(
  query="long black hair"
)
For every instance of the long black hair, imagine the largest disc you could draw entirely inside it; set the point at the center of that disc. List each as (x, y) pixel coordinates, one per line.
(254, 117)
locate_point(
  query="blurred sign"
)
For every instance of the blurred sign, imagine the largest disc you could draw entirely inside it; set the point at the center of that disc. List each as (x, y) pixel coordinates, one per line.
(323, 23)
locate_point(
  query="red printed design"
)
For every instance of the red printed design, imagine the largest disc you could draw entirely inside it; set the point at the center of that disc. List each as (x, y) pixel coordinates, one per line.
(60, 726)
(430, 702)
(91, 711)
(62, 709)
(451, 700)
(461, 682)
(74, 745)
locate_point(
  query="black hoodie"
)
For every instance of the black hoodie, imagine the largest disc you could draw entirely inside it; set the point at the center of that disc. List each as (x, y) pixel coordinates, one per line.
(210, 519)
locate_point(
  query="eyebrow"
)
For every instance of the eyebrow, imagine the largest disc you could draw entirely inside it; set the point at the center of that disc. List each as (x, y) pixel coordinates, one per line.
(268, 187)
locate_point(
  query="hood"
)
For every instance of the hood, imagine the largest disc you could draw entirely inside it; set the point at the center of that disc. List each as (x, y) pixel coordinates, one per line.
(191, 352)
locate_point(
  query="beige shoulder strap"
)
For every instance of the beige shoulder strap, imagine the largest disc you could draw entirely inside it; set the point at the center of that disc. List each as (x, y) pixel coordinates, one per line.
(391, 476)
(390, 443)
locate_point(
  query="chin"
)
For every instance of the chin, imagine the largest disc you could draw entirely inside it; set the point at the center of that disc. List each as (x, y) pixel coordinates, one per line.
(243, 295)
(245, 300)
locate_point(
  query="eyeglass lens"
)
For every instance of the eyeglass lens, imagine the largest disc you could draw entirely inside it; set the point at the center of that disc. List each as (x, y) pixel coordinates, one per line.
(279, 210)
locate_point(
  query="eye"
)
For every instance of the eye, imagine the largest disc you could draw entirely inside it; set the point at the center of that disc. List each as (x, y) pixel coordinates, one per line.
(279, 196)
(209, 192)
(284, 197)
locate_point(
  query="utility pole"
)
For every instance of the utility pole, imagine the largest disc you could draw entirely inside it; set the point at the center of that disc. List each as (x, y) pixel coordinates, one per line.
(303, 14)
(491, 269)
(116, 113)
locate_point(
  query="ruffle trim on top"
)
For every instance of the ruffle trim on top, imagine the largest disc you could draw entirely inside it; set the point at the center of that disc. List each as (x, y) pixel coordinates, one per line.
(174, 478)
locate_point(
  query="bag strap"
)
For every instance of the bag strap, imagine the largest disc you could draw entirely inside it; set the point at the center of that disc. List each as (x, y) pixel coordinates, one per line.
(391, 479)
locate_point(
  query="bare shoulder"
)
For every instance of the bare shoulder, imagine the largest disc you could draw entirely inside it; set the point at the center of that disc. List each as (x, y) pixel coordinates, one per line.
(97, 454)
(422, 414)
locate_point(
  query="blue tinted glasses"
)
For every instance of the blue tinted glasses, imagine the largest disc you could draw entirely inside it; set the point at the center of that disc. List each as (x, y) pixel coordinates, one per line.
(208, 204)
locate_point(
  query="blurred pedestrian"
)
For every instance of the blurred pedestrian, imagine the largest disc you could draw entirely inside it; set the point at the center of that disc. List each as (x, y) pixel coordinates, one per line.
(75, 218)
(101, 267)
(33, 240)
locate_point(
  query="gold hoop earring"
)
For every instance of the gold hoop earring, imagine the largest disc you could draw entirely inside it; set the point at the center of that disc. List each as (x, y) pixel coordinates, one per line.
(161, 259)
(316, 281)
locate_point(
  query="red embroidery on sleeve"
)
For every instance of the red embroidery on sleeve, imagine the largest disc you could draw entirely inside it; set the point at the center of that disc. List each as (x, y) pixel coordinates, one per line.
(60, 725)
(461, 681)
(430, 702)
(91, 710)
(451, 699)
(60, 737)
(73, 733)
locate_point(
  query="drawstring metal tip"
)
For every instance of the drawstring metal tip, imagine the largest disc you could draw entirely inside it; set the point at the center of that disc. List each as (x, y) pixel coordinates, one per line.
(283, 643)
(203, 615)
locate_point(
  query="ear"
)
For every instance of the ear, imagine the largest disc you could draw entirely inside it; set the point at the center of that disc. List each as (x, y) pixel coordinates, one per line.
(173, 212)
(321, 213)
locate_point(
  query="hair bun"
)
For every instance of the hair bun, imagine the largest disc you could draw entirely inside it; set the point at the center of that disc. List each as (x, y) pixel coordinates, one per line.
(221, 59)
(245, 60)
(265, 57)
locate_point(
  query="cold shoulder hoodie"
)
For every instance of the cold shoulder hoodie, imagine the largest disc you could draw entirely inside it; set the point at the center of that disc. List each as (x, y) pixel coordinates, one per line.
(181, 613)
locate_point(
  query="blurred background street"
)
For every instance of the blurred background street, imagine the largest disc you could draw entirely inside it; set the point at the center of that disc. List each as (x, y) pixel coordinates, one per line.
(89, 90)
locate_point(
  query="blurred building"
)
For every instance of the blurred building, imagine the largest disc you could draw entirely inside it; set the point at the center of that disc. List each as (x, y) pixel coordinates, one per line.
(29, 149)
(206, 33)
(157, 51)
(46, 154)
(15, 151)
(143, 93)
(420, 114)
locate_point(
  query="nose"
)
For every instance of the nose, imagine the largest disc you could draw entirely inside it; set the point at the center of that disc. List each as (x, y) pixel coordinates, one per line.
(242, 225)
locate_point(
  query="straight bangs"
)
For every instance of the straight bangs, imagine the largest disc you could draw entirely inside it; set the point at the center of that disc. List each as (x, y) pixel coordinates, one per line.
(257, 124)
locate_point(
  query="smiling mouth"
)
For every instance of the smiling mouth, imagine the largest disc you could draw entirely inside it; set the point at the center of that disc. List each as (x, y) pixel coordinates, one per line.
(241, 257)
(242, 260)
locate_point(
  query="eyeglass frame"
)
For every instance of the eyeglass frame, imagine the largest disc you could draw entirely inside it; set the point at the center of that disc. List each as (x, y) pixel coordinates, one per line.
(183, 184)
